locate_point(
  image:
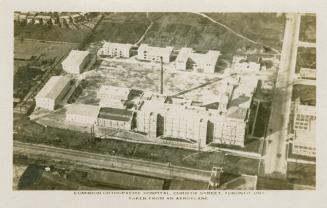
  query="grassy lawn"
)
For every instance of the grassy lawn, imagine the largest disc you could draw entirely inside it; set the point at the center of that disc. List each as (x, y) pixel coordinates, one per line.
(24, 79)
(265, 28)
(262, 119)
(308, 28)
(34, 133)
(121, 27)
(306, 58)
(251, 145)
(304, 174)
(307, 94)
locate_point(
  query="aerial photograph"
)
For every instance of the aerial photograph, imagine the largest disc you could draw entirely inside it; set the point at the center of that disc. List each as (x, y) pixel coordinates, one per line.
(164, 101)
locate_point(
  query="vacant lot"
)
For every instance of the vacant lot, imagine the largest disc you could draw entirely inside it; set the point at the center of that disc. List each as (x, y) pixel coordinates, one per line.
(147, 77)
(308, 28)
(307, 94)
(121, 27)
(306, 58)
(265, 28)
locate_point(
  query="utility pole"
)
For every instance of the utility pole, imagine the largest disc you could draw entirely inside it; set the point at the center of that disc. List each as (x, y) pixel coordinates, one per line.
(161, 75)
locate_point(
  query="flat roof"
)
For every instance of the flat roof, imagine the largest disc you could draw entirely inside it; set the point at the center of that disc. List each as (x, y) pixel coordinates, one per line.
(53, 87)
(75, 57)
(211, 57)
(113, 91)
(117, 45)
(156, 50)
(83, 110)
(115, 114)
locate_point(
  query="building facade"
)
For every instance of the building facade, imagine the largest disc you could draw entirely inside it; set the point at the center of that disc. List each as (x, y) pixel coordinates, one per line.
(201, 62)
(53, 92)
(304, 127)
(303, 116)
(83, 114)
(118, 50)
(115, 118)
(150, 53)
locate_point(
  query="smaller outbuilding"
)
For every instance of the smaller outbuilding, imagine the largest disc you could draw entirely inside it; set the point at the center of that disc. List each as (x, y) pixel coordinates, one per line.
(53, 92)
(81, 113)
(76, 61)
(115, 118)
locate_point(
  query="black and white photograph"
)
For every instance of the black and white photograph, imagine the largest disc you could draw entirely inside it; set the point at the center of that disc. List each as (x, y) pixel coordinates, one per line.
(164, 101)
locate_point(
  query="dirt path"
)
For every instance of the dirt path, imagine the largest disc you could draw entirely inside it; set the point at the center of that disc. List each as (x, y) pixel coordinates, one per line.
(232, 31)
(145, 32)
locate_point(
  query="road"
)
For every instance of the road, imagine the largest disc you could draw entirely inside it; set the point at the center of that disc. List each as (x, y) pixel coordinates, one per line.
(109, 162)
(275, 163)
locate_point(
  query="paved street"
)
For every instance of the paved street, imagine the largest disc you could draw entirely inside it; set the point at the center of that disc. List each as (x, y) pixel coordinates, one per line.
(275, 157)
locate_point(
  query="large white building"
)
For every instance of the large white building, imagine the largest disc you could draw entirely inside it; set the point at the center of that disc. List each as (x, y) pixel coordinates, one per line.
(195, 124)
(178, 118)
(119, 50)
(151, 53)
(304, 142)
(304, 126)
(84, 114)
(202, 62)
(53, 92)
(76, 61)
(303, 116)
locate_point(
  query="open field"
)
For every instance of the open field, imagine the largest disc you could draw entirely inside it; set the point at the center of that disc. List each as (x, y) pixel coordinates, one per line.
(192, 30)
(308, 28)
(265, 28)
(41, 32)
(121, 27)
(38, 47)
(34, 133)
(306, 58)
